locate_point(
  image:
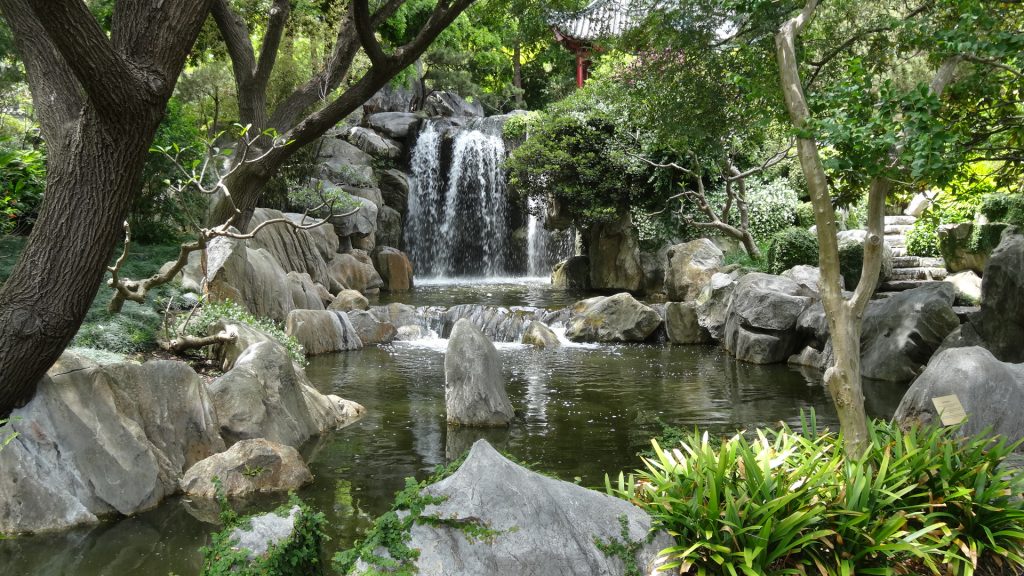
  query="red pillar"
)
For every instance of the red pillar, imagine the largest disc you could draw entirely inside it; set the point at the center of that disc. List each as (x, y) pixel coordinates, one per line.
(580, 69)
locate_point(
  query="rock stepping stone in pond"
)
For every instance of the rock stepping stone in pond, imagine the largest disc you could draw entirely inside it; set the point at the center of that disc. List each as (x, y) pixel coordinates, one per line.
(474, 390)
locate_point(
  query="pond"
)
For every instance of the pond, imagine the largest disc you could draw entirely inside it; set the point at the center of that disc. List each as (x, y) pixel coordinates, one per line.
(582, 411)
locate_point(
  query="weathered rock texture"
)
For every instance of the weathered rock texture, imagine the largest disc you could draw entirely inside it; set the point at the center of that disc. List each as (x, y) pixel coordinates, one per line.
(539, 335)
(395, 270)
(690, 267)
(99, 440)
(322, 331)
(543, 526)
(572, 274)
(761, 323)
(714, 301)
(682, 324)
(355, 271)
(618, 318)
(990, 391)
(249, 467)
(263, 394)
(474, 389)
(370, 329)
(614, 253)
(349, 300)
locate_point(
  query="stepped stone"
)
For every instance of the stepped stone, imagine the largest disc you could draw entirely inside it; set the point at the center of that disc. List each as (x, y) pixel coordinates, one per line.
(896, 229)
(917, 274)
(900, 220)
(902, 285)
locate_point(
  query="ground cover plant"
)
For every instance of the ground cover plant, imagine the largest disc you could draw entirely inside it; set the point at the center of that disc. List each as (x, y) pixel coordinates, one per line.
(919, 501)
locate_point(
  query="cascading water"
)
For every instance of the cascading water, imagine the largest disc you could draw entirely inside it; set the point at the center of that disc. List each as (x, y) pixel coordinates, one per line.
(458, 223)
(545, 248)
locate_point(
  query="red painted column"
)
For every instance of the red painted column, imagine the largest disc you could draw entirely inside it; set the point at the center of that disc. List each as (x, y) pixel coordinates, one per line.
(580, 77)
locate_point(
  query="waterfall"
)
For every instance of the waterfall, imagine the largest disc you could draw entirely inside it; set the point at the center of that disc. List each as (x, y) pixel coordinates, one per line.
(458, 222)
(545, 248)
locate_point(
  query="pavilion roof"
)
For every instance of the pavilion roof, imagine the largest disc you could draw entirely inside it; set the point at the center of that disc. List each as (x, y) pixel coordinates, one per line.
(600, 19)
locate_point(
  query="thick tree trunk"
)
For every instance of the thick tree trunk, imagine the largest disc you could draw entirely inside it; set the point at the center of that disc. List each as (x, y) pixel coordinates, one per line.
(91, 180)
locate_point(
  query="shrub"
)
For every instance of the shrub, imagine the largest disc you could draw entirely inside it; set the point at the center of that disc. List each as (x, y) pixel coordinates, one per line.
(1007, 208)
(851, 262)
(22, 182)
(771, 207)
(923, 239)
(211, 312)
(792, 247)
(805, 214)
(782, 502)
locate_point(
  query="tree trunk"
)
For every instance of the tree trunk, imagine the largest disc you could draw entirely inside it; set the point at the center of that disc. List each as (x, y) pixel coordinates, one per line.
(517, 72)
(92, 177)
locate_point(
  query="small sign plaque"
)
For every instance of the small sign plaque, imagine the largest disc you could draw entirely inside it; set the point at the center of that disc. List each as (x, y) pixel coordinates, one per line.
(950, 409)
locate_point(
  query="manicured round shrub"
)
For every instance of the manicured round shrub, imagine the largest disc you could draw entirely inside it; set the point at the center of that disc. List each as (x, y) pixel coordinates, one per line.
(792, 247)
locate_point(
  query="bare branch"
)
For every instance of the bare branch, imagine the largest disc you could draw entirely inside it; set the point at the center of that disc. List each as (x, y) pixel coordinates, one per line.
(185, 342)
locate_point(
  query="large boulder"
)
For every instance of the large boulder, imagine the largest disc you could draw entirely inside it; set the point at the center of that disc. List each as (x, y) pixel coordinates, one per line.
(394, 187)
(389, 227)
(957, 249)
(990, 391)
(374, 144)
(614, 252)
(572, 274)
(249, 467)
(761, 323)
(690, 268)
(474, 389)
(361, 222)
(809, 277)
(396, 314)
(349, 300)
(618, 318)
(355, 271)
(263, 394)
(450, 104)
(967, 285)
(370, 329)
(343, 163)
(714, 301)
(851, 257)
(683, 326)
(322, 331)
(396, 125)
(395, 269)
(296, 250)
(902, 332)
(540, 336)
(98, 440)
(541, 525)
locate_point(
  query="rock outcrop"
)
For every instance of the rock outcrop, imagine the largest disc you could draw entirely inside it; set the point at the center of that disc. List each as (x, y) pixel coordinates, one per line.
(614, 253)
(322, 331)
(474, 389)
(761, 323)
(990, 391)
(618, 318)
(98, 440)
(349, 300)
(539, 335)
(370, 329)
(690, 268)
(541, 525)
(249, 467)
(395, 270)
(354, 271)
(714, 301)
(683, 326)
(572, 274)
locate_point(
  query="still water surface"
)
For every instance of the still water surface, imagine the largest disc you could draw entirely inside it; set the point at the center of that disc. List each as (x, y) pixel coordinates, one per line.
(582, 411)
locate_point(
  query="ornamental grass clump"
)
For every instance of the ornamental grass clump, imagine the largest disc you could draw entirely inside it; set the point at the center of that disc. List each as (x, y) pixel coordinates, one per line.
(920, 501)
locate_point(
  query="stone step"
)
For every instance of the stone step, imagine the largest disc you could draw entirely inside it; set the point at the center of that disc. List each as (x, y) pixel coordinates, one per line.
(917, 261)
(918, 273)
(902, 285)
(893, 229)
(898, 251)
(894, 241)
(900, 220)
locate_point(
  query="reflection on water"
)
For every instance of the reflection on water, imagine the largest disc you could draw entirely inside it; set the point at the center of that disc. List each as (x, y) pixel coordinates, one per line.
(581, 411)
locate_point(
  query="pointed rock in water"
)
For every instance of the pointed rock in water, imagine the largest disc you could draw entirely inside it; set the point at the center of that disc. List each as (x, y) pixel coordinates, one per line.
(539, 335)
(618, 318)
(537, 525)
(474, 390)
(249, 467)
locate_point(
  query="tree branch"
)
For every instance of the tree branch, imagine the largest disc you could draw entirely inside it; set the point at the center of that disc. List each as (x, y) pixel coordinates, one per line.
(367, 35)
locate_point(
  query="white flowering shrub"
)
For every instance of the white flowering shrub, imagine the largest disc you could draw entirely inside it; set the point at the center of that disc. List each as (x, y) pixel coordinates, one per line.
(771, 207)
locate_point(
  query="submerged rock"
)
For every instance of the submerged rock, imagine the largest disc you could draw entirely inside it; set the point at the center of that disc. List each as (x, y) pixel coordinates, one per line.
(474, 389)
(249, 467)
(540, 525)
(99, 440)
(618, 318)
(539, 335)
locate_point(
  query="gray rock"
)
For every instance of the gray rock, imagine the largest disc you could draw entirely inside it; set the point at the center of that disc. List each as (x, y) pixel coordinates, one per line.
(690, 267)
(395, 269)
(355, 271)
(614, 253)
(990, 391)
(98, 440)
(714, 301)
(539, 335)
(543, 526)
(263, 394)
(450, 104)
(572, 274)
(410, 332)
(474, 390)
(295, 250)
(343, 163)
(393, 124)
(397, 314)
(902, 332)
(682, 325)
(371, 330)
(1000, 323)
(761, 323)
(249, 467)
(363, 222)
(323, 237)
(394, 187)
(848, 238)
(322, 331)
(809, 277)
(374, 144)
(349, 300)
(653, 265)
(956, 248)
(967, 285)
(264, 531)
(389, 227)
(618, 318)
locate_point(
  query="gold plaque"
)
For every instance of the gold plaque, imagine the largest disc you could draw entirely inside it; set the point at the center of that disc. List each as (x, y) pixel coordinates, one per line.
(950, 409)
